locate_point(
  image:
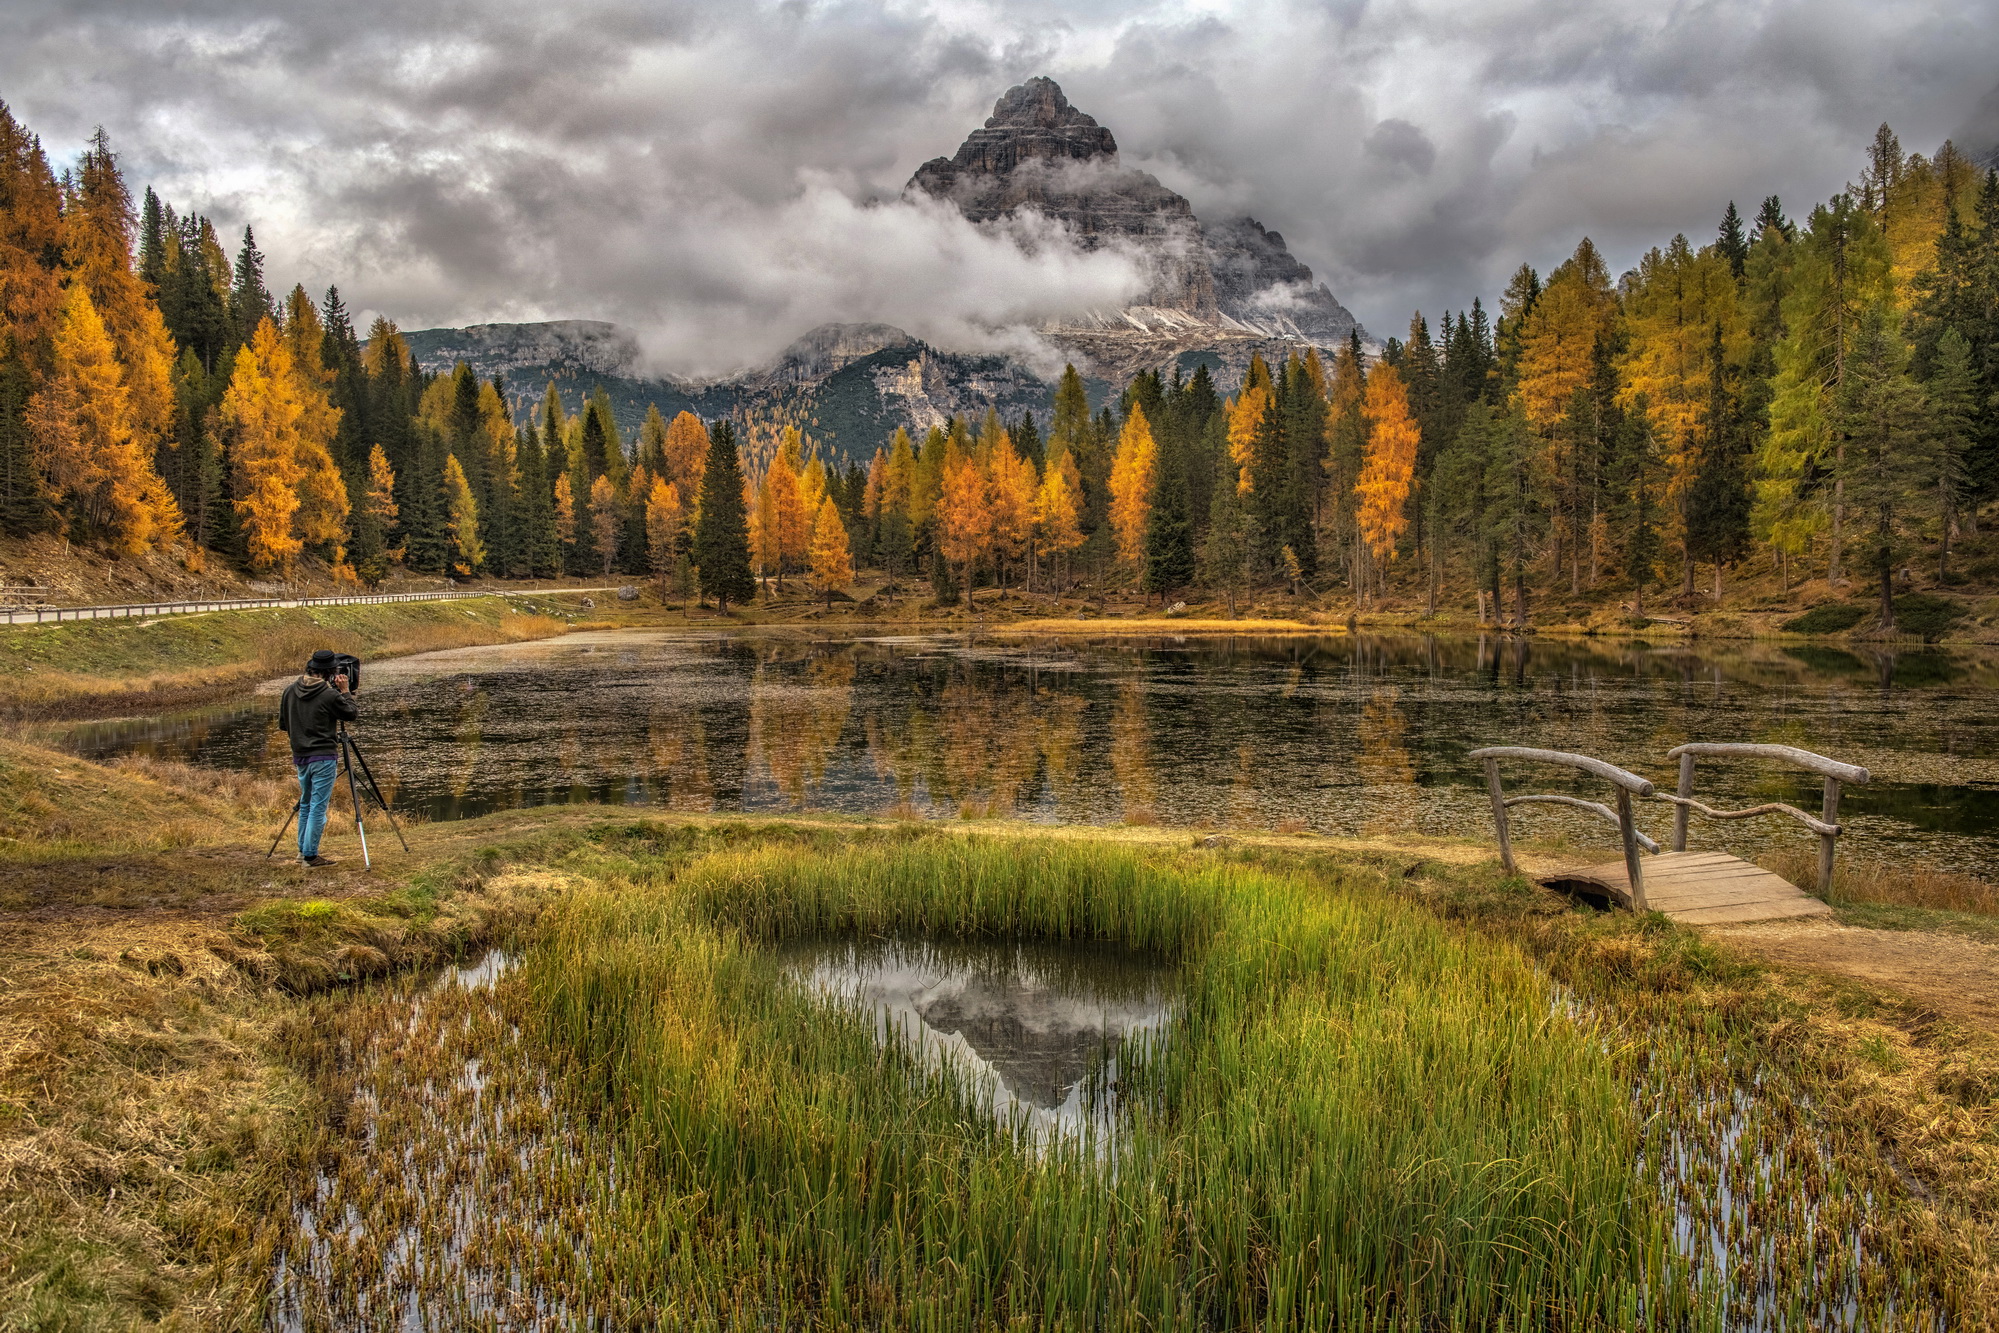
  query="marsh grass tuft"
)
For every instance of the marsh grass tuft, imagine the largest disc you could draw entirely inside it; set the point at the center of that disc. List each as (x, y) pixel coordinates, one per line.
(1363, 1118)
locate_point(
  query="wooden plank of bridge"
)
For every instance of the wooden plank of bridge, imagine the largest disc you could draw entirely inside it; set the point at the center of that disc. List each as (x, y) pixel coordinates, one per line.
(1698, 888)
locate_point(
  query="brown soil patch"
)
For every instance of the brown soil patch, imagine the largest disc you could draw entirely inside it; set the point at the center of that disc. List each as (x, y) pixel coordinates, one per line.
(1952, 975)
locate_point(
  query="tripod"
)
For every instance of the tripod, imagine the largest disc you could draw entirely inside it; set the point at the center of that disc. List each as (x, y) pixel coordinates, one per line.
(350, 759)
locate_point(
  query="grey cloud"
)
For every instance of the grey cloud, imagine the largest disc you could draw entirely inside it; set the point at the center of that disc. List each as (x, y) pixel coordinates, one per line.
(723, 176)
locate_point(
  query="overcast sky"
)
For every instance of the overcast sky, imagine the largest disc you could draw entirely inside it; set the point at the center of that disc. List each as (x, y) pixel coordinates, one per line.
(722, 176)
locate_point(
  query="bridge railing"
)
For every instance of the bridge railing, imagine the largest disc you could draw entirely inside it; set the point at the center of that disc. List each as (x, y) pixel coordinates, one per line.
(1627, 785)
(1826, 826)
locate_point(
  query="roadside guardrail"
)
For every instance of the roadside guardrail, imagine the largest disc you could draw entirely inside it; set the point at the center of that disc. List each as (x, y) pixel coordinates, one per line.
(48, 615)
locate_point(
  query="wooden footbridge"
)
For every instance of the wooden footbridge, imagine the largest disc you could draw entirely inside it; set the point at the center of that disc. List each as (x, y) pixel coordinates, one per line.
(1699, 888)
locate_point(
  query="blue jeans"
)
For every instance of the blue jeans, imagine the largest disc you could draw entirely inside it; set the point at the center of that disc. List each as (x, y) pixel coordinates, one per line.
(315, 791)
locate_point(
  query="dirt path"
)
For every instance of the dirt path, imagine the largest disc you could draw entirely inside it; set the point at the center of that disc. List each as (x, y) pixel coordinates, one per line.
(1957, 977)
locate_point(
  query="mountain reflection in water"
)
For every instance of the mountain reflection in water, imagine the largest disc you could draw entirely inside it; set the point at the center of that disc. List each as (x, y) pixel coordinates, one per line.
(1037, 1030)
(1348, 735)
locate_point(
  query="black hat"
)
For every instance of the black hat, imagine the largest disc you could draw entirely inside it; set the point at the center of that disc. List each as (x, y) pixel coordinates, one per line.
(321, 663)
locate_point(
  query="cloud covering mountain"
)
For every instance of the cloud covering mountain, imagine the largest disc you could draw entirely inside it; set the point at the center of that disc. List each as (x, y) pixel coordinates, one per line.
(719, 177)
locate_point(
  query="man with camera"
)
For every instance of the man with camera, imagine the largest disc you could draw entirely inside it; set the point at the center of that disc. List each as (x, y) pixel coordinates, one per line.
(311, 711)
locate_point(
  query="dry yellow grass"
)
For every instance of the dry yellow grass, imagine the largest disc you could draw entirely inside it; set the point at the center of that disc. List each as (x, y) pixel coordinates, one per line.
(1890, 886)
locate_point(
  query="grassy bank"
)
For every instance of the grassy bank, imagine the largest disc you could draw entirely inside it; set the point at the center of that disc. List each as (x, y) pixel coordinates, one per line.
(88, 667)
(1399, 1075)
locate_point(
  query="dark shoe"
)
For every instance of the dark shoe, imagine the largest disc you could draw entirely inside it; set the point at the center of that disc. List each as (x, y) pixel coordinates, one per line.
(319, 862)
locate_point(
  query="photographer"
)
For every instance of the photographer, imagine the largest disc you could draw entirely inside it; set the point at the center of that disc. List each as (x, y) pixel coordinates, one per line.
(311, 711)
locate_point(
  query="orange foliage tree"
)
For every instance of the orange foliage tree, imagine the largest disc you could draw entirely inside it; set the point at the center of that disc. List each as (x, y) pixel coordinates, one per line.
(85, 438)
(1056, 522)
(1131, 486)
(1389, 469)
(964, 519)
(832, 559)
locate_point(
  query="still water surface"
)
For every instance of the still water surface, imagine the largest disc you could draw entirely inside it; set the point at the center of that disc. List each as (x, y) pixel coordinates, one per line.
(1342, 734)
(1035, 1031)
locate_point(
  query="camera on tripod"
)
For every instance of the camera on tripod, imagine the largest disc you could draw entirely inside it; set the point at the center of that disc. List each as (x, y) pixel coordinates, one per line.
(348, 665)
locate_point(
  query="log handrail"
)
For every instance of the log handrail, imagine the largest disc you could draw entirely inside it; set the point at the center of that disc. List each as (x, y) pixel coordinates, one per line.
(1826, 826)
(1594, 807)
(1773, 808)
(1783, 754)
(1627, 785)
(1630, 782)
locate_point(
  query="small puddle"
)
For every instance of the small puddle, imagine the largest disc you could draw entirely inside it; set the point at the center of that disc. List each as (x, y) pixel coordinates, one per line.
(1037, 1031)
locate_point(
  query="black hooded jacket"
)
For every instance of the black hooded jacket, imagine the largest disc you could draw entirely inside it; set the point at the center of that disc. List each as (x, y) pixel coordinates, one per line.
(310, 711)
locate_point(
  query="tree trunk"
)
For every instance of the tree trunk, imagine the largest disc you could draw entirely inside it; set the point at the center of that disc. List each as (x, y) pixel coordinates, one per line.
(1887, 561)
(1520, 593)
(1834, 575)
(1717, 583)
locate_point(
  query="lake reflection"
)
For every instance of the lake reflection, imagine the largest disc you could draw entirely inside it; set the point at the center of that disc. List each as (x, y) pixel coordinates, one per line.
(1346, 735)
(1036, 1030)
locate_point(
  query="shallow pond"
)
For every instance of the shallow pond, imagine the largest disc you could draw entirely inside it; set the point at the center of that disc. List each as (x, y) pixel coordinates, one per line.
(1341, 734)
(1036, 1031)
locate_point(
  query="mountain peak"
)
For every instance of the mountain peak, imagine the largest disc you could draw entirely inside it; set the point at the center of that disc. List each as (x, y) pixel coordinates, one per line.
(1040, 103)
(1038, 152)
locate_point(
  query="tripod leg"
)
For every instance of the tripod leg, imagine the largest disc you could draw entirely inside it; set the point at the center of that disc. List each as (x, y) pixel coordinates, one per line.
(375, 790)
(354, 796)
(281, 832)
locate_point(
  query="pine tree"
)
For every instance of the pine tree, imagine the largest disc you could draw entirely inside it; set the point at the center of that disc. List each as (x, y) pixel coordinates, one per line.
(721, 534)
(1952, 393)
(374, 520)
(1717, 503)
(1888, 462)
(1169, 531)
(25, 504)
(1225, 552)
(1732, 242)
(249, 298)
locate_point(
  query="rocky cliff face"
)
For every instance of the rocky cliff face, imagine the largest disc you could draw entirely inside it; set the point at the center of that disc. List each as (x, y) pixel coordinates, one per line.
(1038, 152)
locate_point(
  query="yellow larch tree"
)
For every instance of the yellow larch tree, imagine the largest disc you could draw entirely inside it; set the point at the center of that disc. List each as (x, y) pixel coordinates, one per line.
(1388, 469)
(871, 494)
(1671, 309)
(832, 559)
(666, 518)
(86, 440)
(461, 513)
(604, 521)
(289, 493)
(686, 454)
(261, 411)
(1131, 485)
(565, 510)
(1575, 309)
(964, 520)
(1011, 486)
(1056, 525)
(1245, 414)
(380, 500)
(899, 478)
(98, 235)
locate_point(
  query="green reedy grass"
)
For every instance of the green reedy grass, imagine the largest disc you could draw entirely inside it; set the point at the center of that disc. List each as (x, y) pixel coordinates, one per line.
(1361, 1118)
